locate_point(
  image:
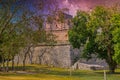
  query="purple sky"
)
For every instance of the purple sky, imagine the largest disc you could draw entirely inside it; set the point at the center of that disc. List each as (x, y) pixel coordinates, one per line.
(85, 5)
(72, 5)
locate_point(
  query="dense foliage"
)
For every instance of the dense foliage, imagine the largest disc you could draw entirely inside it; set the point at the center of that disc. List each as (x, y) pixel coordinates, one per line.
(20, 30)
(98, 32)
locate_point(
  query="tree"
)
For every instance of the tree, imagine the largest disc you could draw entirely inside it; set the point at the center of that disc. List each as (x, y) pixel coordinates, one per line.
(14, 30)
(101, 25)
(8, 30)
(98, 33)
(116, 32)
(78, 33)
(20, 30)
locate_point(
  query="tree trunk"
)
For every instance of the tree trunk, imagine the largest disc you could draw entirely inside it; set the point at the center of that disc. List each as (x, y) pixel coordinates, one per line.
(111, 63)
(0, 67)
(31, 57)
(7, 66)
(24, 61)
(17, 62)
(13, 63)
(25, 56)
(3, 63)
(112, 67)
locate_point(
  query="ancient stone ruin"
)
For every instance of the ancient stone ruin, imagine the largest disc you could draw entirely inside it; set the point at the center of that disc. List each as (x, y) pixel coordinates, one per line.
(61, 54)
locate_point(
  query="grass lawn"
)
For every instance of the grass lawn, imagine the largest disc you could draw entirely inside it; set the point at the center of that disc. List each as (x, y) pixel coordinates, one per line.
(36, 72)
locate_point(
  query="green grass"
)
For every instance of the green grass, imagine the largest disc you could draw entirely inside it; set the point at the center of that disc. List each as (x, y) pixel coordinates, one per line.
(37, 72)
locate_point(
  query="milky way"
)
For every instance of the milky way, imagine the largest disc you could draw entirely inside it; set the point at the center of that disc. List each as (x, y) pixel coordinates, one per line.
(72, 5)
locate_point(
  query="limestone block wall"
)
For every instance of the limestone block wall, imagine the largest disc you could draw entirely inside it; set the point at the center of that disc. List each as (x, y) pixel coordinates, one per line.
(61, 35)
(58, 56)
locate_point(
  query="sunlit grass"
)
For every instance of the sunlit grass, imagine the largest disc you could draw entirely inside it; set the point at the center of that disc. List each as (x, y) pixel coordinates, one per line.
(37, 72)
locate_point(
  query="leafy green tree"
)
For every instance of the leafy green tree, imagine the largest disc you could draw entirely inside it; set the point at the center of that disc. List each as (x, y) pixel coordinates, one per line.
(100, 24)
(78, 34)
(12, 28)
(98, 34)
(116, 32)
(7, 29)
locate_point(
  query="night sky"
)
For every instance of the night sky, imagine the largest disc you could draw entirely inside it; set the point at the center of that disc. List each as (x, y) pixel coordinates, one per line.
(72, 5)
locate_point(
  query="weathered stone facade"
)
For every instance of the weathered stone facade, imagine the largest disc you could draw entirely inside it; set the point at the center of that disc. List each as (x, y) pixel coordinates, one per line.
(61, 54)
(58, 55)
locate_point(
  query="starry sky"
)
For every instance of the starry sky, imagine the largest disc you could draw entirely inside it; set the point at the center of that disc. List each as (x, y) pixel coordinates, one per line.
(72, 5)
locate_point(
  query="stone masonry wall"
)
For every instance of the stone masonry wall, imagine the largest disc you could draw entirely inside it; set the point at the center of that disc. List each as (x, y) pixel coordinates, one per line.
(56, 56)
(59, 55)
